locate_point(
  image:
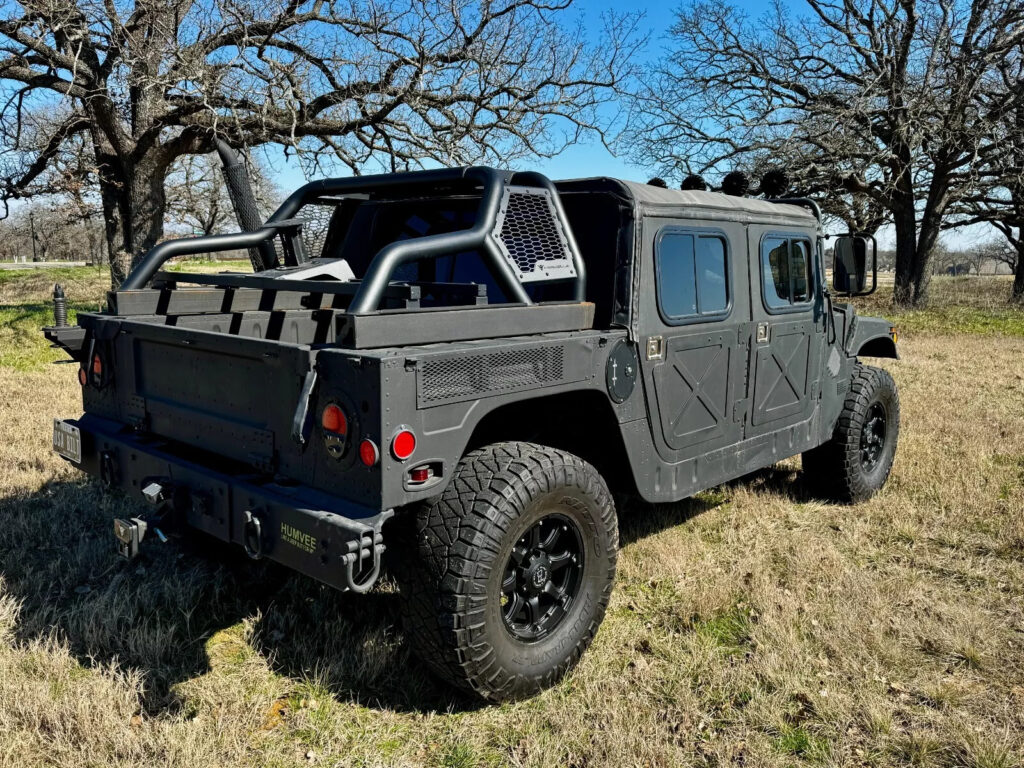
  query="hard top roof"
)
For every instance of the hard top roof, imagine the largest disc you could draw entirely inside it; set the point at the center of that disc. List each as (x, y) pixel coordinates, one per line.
(645, 194)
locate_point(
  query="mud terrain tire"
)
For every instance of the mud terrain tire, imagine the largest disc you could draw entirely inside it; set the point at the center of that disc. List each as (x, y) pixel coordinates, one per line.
(479, 573)
(854, 465)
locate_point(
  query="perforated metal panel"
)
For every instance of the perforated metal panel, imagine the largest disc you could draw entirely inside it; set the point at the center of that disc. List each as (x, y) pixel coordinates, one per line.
(317, 219)
(531, 236)
(453, 378)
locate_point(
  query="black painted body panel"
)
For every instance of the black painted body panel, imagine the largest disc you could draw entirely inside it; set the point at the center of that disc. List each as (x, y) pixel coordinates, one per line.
(221, 369)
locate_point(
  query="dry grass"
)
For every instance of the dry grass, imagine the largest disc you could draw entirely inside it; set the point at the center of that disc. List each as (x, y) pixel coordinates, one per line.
(753, 625)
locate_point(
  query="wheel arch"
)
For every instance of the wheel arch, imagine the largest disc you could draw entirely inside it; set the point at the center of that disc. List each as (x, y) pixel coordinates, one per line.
(581, 422)
(878, 346)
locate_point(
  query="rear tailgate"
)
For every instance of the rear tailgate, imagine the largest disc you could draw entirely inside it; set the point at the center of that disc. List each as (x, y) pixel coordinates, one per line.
(230, 395)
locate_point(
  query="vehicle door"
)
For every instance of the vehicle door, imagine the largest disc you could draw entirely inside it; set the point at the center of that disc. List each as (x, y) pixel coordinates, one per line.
(694, 327)
(789, 328)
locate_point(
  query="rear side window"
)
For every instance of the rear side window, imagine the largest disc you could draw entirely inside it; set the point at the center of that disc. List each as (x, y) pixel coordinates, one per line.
(692, 275)
(785, 271)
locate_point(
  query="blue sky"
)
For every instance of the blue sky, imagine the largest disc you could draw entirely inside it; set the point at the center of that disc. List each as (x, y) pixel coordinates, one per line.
(592, 158)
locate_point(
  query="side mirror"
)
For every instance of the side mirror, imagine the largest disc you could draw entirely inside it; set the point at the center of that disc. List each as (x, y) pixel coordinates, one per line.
(853, 260)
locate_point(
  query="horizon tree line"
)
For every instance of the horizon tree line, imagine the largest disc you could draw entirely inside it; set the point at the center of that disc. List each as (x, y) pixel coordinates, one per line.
(901, 112)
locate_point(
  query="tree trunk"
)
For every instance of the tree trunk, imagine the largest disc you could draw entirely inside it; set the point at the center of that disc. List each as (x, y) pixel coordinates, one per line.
(931, 226)
(1017, 294)
(905, 222)
(133, 205)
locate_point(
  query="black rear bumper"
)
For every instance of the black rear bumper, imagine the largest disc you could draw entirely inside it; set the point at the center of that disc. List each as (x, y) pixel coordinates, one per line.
(314, 533)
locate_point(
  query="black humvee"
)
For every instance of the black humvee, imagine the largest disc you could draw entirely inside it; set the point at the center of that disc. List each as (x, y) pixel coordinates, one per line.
(476, 357)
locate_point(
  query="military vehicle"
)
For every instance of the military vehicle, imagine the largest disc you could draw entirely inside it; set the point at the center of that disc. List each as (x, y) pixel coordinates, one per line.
(471, 361)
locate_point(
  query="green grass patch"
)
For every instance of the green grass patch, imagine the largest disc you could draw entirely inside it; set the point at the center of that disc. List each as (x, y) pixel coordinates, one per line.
(957, 305)
(729, 631)
(52, 275)
(1006, 321)
(800, 742)
(22, 344)
(459, 755)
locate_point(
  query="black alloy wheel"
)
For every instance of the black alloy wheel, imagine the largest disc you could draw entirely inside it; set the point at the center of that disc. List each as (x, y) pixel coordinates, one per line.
(872, 437)
(542, 578)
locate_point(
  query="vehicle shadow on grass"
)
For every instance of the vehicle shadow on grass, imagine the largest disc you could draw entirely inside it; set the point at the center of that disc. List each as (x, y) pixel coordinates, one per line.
(158, 613)
(639, 519)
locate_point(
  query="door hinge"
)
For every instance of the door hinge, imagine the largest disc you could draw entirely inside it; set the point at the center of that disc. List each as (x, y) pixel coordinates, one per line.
(739, 411)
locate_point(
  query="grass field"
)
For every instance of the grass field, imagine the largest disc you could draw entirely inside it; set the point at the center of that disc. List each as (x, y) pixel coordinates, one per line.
(752, 625)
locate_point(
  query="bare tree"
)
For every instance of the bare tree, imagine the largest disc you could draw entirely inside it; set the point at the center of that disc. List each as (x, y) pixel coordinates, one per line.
(50, 230)
(197, 196)
(998, 195)
(393, 83)
(879, 100)
(1002, 252)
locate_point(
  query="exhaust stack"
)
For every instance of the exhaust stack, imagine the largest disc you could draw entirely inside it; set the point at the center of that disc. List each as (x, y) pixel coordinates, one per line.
(263, 256)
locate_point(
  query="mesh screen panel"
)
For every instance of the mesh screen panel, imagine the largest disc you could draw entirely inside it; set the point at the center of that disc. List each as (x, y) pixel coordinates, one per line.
(533, 239)
(314, 231)
(467, 377)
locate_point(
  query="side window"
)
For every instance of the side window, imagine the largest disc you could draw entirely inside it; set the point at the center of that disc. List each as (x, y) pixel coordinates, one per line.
(785, 271)
(677, 286)
(692, 275)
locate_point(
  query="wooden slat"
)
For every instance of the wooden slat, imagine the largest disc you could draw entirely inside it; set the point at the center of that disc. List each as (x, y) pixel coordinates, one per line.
(184, 301)
(328, 287)
(429, 326)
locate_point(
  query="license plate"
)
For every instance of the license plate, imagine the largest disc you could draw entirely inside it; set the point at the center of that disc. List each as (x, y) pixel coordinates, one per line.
(67, 440)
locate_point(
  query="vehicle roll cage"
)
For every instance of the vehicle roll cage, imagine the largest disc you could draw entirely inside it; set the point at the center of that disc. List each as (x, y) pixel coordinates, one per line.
(378, 274)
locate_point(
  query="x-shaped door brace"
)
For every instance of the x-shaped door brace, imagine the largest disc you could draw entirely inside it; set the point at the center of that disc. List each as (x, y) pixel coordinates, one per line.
(697, 391)
(784, 370)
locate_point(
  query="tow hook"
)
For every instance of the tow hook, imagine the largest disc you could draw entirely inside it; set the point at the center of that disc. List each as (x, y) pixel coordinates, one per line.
(129, 534)
(368, 545)
(252, 536)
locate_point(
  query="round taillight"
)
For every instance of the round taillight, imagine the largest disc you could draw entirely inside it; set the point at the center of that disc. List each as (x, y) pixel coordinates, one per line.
(368, 453)
(403, 444)
(333, 419)
(83, 377)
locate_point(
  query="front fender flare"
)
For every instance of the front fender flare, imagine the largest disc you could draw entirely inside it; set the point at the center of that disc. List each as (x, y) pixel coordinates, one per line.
(872, 337)
(877, 346)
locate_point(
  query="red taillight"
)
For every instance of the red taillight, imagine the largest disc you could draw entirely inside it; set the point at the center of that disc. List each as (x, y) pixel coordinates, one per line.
(97, 365)
(333, 419)
(420, 474)
(403, 444)
(83, 377)
(368, 453)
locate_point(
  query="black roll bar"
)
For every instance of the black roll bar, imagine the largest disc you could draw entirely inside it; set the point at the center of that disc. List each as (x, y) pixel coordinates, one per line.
(393, 255)
(381, 181)
(189, 246)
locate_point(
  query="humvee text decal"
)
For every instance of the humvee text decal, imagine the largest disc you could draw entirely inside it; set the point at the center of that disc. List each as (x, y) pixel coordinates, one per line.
(297, 538)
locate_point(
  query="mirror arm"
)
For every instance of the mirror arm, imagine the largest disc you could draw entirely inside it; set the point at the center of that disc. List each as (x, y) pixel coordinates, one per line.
(874, 266)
